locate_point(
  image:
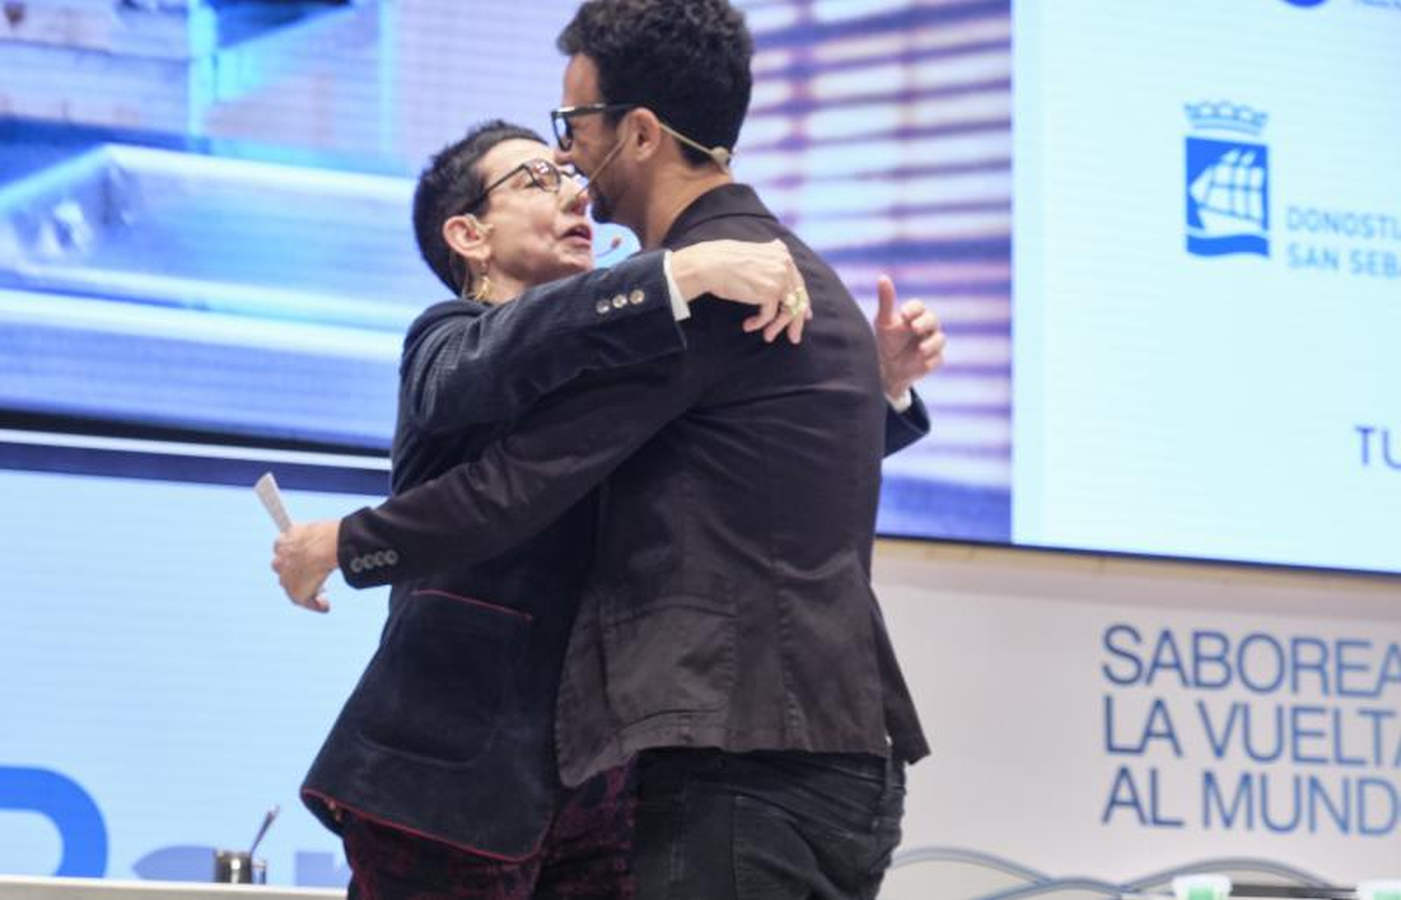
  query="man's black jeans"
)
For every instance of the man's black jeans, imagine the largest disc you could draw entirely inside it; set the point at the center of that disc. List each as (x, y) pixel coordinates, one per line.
(771, 825)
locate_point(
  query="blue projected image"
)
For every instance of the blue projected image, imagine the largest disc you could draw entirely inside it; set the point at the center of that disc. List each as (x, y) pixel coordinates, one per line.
(1168, 251)
(205, 221)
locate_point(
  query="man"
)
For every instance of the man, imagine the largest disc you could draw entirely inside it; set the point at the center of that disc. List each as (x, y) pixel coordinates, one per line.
(729, 607)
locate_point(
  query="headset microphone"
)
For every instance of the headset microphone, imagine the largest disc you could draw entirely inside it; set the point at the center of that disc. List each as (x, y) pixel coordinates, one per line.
(613, 246)
(721, 156)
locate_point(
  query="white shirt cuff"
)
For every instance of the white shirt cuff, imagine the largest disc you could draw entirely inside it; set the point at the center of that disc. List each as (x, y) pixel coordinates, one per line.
(679, 307)
(902, 403)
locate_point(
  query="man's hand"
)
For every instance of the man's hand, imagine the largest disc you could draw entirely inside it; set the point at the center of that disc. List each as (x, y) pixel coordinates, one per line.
(763, 275)
(303, 557)
(910, 341)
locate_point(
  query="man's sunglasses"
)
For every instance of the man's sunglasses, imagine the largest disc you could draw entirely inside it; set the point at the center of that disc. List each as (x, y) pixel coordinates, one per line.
(561, 119)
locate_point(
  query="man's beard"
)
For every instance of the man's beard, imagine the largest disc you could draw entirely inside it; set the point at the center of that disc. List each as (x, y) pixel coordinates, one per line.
(601, 206)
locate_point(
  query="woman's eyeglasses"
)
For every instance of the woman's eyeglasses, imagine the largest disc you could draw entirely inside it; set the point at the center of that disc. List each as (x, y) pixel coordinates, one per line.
(561, 119)
(543, 174)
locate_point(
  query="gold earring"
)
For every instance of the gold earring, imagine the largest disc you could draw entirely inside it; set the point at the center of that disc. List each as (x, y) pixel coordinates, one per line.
(482, 292)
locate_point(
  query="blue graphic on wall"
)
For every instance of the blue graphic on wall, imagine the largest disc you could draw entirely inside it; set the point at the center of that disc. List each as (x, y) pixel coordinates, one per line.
(83, 837)
(1228, 182)
(70, 809)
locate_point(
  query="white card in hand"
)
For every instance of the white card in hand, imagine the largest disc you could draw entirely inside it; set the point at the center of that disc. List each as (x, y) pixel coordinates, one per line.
(267, 491)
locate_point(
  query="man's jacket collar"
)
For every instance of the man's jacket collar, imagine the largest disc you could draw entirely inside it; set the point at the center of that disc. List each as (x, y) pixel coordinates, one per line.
(726, 200)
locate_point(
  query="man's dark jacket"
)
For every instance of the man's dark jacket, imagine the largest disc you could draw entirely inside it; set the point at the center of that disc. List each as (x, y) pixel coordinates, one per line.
(729, 604)
(448, 735)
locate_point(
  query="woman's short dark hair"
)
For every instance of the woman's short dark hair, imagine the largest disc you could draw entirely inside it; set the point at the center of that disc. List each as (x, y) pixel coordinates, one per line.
(686, 60)
(448, 182)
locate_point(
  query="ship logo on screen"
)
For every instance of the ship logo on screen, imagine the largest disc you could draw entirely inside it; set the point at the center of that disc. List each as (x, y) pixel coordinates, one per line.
(1228, 181)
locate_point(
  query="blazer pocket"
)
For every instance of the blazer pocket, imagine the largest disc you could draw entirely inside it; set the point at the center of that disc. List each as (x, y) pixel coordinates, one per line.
(674, 655)
(445, 671)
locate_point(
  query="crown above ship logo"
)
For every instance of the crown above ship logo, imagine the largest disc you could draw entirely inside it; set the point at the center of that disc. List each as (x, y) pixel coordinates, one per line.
(1226, 116)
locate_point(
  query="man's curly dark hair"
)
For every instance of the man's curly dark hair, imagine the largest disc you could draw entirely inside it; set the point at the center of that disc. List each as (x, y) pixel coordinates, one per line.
(448, 183)
(686, 60)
